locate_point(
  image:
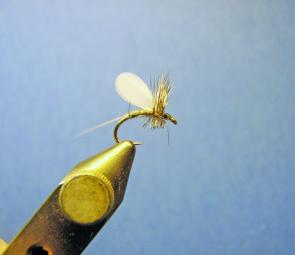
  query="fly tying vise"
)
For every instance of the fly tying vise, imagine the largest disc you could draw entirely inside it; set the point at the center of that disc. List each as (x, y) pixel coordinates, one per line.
(152, 104)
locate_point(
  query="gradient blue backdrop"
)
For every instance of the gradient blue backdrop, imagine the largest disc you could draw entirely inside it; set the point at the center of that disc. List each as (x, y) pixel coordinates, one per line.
(225, 185)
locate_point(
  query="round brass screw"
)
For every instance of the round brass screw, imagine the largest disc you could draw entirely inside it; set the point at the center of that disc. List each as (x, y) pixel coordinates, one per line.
(86, 199)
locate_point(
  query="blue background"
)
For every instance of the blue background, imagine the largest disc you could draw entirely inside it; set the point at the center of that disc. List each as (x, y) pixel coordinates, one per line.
(225, 185)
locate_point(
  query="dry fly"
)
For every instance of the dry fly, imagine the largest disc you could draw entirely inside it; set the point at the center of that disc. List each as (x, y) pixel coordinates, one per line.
(151, 103)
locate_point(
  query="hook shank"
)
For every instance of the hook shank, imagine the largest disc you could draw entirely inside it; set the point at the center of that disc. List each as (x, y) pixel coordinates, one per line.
(128, 116)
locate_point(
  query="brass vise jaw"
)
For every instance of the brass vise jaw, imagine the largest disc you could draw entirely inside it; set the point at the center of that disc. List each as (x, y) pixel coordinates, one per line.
(79, 206)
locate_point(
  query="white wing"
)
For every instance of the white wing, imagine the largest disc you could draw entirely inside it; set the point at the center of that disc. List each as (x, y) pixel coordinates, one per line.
(134, 90)
(89, 130)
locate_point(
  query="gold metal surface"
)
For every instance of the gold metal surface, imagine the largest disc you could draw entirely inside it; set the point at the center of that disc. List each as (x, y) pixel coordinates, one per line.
(3, 246)
(79, 207)
(87, 198)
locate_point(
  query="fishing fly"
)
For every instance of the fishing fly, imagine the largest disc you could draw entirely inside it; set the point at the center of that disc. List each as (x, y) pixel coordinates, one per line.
(151, 104)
